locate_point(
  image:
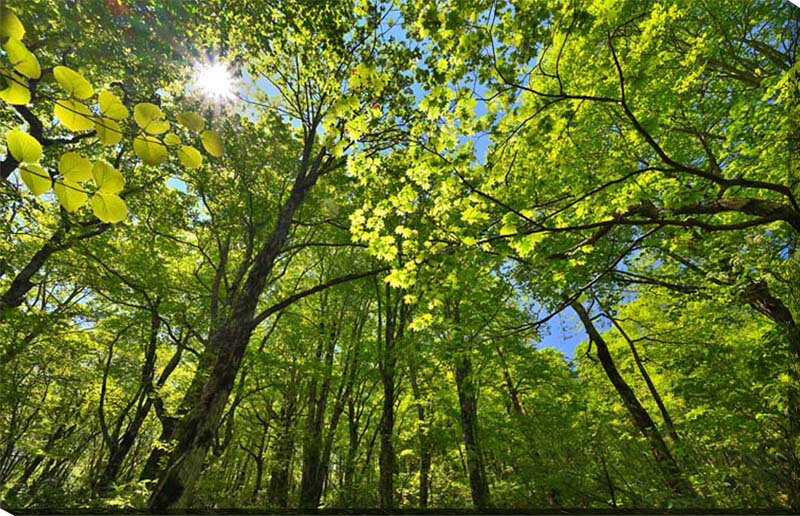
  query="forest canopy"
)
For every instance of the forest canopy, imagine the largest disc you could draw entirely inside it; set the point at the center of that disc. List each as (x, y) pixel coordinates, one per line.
(318, 254)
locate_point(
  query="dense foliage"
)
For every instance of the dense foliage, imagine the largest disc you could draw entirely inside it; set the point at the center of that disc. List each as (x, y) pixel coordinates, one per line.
(331, 281)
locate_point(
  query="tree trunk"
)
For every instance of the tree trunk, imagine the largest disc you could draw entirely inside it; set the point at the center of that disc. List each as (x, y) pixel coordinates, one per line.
(194, 432)
(468, 404)
(762, 300)
(641, 418)
(673, 434)
(422, 438)
(278, 489)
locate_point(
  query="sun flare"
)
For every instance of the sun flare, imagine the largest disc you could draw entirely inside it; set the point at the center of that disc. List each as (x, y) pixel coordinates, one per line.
(214, 81)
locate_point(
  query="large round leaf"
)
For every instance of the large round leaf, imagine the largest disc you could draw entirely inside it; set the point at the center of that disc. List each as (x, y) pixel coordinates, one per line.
(191, 121)
(22, 59)
(24, 147)
(148, 115)
(109, 207)
(212, 143)
(190, 157)
(70, 194)
(75, 167)
(10, 26)
(74, 115)
(172, 139)
(35, 178)
(108, 131)
(149, 149)
(108, 178)
(16, 90)
(111, 106)
(73, 82)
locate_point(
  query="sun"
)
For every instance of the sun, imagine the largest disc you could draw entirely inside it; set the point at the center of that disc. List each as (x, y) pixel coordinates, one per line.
(214, 81)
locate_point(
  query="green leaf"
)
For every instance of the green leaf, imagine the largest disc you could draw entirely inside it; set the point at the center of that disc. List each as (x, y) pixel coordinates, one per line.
(22, 59)
(35, 178)
(73, 115)
(212, 143)
(70, 195)
(149, 149)
(191, 120)
(108, 178)
(109, 207)
(172, 139)
(75, 167)
(73, 83)
(10, 26)
(150, 118)
(17, 91)
(108, 131)
(111, 106)
(190, 157)
(24, 147)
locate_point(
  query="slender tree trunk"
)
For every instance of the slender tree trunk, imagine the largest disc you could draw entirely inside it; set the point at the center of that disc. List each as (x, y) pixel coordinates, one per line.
(673, 434)
(513, 392)
(312, 475)
(641, 418)
(278, 489)
(386, 459)
(393, 327)
(468, 404)
(422, 438)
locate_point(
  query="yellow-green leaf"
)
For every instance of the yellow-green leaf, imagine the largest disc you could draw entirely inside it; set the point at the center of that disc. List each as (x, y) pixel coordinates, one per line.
(70, 194)
(108, 178)
(75, 167)
(111, 106)
(73, 83)
(24, 147)
(74, 115)
(172, 139)
(16, 91)
(157, 127)
(35, 178)
(190, 157)
(191, 120)
(10, 26)
(146, 114)
(22, 59)
(108, 131)
(212, 143)
(109, 207)
(149, 149)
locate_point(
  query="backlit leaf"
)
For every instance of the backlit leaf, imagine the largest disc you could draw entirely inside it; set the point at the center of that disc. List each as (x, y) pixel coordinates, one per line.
(108, 131)
(35, 178)
(22, 59)
(16, 91)
(109, 207)
(172, 139)
(73, 115)
(75, 167)
(10, 26)
(111, 106)
(73, 83)
(212, 143)
(24, 147)
(149, 149)
(70, 195)
(190, 157)
(146, 114)
(108, 178)
(191, 120)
